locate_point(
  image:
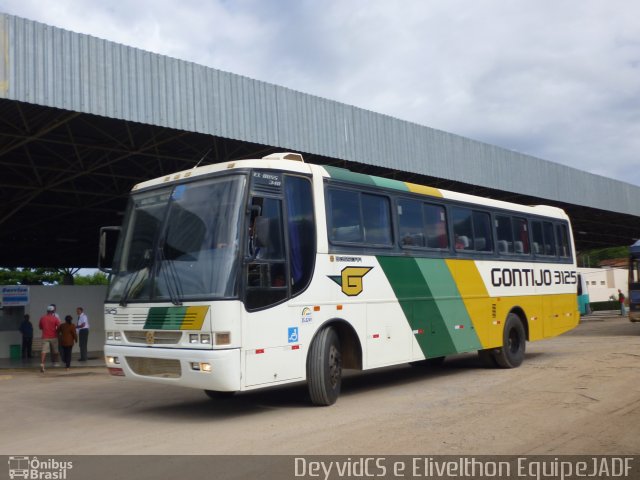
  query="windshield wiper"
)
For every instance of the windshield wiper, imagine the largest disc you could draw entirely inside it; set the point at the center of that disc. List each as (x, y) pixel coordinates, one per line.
(171, 277)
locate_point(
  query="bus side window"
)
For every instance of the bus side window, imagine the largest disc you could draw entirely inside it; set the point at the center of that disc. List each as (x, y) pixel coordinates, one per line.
(411, 229)
(504, 232)
(266, 280)
(563, 240)
(549, 239)
(436, 226)
(376, 219)
(482, 238)
(462, 228)
(521, 236)
(301, 230)
(267, 230)
(345, 216)
(538, 238)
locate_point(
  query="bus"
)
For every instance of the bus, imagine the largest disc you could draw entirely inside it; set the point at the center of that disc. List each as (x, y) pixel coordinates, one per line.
(634, 282)
(253, 273)
(584, 305)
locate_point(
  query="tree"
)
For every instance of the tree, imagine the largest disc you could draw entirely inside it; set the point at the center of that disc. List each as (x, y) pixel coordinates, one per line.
(50, 276)
(30, 276)
(97, 278)
(594, 257)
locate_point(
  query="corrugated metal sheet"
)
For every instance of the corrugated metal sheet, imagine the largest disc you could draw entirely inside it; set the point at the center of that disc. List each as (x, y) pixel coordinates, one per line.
(52, 67)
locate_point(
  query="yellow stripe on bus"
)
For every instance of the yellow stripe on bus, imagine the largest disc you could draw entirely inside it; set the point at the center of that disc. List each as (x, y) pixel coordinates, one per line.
(546, 315)
(194, 317)
(415, 188)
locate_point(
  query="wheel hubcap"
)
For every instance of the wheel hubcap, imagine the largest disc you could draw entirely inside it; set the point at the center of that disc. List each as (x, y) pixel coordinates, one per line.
(335, 366)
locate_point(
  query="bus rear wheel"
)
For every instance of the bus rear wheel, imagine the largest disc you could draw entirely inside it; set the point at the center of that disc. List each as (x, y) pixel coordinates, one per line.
(514, 342)
(324, 368)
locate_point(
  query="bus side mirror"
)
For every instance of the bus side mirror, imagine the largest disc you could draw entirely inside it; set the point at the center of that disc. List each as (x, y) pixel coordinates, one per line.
(107, 247)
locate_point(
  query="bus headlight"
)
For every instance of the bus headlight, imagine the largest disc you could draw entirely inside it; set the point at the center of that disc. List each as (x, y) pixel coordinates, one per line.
(112, 361)
(202, 338)
(201, 367)
(114, 336)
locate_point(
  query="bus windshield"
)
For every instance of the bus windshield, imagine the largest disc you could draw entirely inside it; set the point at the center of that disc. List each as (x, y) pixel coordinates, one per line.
(180, 243)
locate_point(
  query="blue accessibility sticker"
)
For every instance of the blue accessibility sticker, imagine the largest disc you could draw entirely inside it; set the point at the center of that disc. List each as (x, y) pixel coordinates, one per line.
(293, 334)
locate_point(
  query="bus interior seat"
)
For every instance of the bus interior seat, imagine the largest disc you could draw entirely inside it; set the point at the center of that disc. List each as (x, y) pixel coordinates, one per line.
(519, 247)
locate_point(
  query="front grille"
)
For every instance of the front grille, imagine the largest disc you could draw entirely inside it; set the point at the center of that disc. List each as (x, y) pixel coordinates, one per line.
(155, 367)
(130, 319)
(159, 337)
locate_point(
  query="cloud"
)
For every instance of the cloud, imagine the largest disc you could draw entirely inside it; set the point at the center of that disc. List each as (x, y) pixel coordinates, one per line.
(557, 80)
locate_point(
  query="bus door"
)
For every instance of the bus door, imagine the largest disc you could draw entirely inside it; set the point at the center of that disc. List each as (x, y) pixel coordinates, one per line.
(279, 261)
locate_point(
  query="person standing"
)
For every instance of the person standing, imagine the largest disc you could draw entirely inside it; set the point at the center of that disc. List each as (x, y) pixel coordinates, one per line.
(623, 309)
(83, 333)
(26, 329)
(59, 351)
(49, 324)
(68, 337)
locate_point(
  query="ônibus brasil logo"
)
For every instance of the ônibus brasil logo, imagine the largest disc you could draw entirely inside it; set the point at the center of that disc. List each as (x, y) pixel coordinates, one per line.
(35, 469)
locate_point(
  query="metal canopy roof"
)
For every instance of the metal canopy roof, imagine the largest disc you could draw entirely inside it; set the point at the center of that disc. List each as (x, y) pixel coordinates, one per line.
(83, 119)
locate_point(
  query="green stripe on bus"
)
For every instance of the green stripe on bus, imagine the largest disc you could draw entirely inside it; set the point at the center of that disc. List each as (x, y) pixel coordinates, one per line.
(447, 296)
(348, 176)
(390, 183)
(165, 318)
(420, 308)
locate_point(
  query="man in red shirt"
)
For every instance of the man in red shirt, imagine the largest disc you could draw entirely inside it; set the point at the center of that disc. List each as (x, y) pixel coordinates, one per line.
(49, 324)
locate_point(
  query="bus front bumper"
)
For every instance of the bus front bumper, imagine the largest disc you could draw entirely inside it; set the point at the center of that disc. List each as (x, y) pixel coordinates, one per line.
(217, 370)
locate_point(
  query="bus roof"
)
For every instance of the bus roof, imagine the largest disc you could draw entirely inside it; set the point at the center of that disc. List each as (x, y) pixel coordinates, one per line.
(294, 162)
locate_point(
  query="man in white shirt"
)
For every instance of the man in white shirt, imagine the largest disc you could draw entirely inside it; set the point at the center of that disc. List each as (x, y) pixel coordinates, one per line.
(83, 333)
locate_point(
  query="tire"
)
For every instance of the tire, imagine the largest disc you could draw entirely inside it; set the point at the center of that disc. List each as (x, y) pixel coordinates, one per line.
(488, 358)
(514, 342)
(324, 368)
(215, 395)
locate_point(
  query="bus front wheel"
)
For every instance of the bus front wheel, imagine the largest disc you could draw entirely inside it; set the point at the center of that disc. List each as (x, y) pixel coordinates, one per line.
(514, 342)
(324, 368)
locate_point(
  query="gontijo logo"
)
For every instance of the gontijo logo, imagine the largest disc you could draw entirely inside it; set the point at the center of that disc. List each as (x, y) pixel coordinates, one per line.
(350, 280)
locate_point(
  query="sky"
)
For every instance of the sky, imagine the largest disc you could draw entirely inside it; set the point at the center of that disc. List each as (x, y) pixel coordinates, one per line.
(556, 79)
